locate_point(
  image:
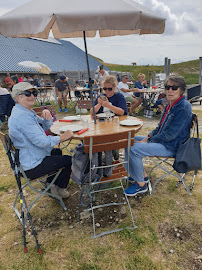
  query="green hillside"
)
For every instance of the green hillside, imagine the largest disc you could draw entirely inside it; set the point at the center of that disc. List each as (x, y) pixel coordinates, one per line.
(189, 70)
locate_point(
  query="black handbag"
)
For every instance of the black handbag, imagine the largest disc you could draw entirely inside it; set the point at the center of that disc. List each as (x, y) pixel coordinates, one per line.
(188, 155)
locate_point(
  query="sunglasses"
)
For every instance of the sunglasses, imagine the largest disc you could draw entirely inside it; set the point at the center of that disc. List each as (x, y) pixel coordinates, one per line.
(28, 93)
(173, 87)
(109, 89)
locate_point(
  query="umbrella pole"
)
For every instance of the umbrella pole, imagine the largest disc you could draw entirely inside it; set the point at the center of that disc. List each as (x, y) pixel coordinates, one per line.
(90, 82)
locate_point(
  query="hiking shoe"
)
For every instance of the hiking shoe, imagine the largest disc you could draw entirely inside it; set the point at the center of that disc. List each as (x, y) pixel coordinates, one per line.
(54, 191)
(60, 110)
(135, 189)
(65, 110)
(63, 193)
(146, 179)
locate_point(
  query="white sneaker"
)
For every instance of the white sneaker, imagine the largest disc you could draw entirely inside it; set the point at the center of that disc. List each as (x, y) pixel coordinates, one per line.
(54, 191)
(63, 193)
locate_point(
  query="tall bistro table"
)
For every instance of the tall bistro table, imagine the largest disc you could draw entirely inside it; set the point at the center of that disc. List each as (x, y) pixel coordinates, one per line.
(101, 128)
(149, 97)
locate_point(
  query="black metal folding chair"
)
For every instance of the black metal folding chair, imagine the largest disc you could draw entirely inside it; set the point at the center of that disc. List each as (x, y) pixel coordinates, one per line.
(39, 186)
(166, 165)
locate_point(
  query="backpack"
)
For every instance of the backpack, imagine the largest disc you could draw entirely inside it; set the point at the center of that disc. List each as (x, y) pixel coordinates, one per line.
(81, 165)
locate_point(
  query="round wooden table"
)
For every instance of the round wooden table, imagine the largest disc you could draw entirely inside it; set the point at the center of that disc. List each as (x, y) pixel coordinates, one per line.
(100, 128)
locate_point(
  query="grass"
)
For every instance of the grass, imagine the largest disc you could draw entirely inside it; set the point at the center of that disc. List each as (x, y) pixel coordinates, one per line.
(68, 245)
(189, 69)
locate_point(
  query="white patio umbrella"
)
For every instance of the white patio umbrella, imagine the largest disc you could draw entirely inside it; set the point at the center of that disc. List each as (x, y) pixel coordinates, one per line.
(77, 18)
(38, 66)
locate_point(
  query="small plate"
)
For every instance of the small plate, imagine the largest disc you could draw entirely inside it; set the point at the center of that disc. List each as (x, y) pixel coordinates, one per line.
(73, 128)
(72, 118)
(103, 115)
(130, 122)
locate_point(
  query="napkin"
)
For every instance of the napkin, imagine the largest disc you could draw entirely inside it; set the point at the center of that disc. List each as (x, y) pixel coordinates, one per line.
(82, 131)
(64, 120)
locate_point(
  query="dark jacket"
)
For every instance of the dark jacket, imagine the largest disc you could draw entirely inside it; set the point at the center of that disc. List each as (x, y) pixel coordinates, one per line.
(175, 127)
(6, 105)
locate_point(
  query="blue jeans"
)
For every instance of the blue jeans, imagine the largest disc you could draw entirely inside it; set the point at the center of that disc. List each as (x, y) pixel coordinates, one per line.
(140, 150)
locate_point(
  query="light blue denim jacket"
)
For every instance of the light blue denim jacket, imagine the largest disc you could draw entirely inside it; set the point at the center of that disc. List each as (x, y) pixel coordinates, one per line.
(175, 127)
(29, 137)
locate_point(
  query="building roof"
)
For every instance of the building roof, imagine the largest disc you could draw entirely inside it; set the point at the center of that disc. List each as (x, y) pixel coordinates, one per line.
(58, 55)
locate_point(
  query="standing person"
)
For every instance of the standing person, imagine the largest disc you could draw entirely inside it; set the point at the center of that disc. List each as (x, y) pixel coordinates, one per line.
(14, 81)
(27, 132)
(140, 84)
(36, 81)
(61, 89)
(113, 100)
(103, 75)
(7, 81)
(127, 93)
(164, 140)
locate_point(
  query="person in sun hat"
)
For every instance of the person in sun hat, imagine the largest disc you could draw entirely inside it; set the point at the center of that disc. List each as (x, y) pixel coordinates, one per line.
(164, 140)
(62, 88)
(36, 152)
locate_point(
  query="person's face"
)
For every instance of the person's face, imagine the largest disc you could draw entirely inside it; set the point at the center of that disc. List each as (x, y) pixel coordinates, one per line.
(101, 71)
(12, 82)
(125, 79)
(25, 101)
(109, 92)
(172, 95)
(141, 78)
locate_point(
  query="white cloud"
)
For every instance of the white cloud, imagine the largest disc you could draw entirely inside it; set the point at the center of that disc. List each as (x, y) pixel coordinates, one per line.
(175, 24)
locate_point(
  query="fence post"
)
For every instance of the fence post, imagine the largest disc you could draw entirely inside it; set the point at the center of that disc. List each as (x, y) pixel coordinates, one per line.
(166, 65)
(154, 78)
(200, 71)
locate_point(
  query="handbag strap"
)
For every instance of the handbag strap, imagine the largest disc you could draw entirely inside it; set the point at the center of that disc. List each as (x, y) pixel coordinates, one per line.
(194, 125)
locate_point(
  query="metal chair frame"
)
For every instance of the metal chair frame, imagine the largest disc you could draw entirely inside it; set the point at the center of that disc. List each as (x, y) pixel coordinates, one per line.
(119, 174)
(165, 164)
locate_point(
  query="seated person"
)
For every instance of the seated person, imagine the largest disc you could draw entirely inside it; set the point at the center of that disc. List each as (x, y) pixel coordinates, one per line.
(77, 93)
(6, 103)
(161, 103)
(127, 93)
(111, 100)
(140, 84)
(26, 130)
(164, 140)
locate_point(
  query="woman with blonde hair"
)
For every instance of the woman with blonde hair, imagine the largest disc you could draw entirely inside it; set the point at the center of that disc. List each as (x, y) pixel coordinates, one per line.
(111, 100)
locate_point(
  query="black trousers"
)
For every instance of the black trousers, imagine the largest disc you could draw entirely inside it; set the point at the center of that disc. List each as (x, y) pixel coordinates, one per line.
(52, 164)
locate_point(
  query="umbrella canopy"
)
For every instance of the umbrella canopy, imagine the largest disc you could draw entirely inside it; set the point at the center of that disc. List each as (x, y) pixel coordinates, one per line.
(77, 18)
(69, 18)
(38, 66)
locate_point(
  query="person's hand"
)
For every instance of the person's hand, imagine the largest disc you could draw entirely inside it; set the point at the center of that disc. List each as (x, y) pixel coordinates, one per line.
(46, 114)
(105, 103)
(99, 101)
(144, 82)
(136, 90)
(68, 134)
(145, 140)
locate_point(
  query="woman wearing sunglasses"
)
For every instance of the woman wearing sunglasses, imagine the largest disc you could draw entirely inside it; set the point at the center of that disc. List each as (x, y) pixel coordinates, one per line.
(111, 100)
(164, 140)
(27, 132)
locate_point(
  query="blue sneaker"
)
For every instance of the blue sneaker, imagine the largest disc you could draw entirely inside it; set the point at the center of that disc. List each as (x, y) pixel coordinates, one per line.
(60, 110)
(146, 179)
(135, 189)
(65, 110)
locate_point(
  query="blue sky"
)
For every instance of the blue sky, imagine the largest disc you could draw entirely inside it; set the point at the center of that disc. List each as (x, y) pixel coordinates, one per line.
(181, 41)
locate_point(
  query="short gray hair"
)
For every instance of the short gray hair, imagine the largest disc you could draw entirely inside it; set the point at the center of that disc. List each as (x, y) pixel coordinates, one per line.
(179, 80)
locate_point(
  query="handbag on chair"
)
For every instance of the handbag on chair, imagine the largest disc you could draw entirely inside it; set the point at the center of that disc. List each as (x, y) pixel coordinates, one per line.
(188, 155)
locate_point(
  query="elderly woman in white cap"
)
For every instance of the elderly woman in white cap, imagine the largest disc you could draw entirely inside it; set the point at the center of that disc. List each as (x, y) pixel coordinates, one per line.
(36, 154)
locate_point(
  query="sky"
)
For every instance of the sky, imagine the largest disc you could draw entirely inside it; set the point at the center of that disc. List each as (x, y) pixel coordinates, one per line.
(181, 40)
